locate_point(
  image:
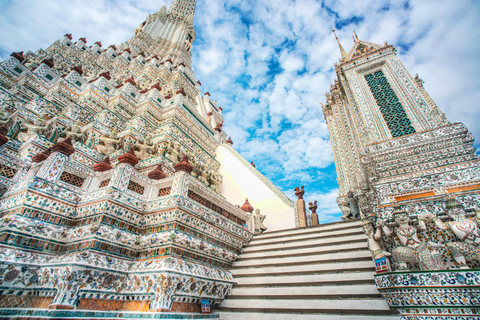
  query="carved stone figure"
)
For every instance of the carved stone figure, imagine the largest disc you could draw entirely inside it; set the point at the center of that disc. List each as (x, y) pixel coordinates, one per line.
(5, 118)
(301, 210)
(39, 127)
(414, 250)
(258, 219)
(214, 180)
(109, 144)
(174, 153)
(466, 231)
(299, 193)
(76, 133)
(374, 238)
(145, 149)
(314, 216)
(353, 206)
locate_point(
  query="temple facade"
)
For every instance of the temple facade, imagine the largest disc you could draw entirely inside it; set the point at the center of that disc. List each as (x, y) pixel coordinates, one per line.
(414, 179)
(120, 189)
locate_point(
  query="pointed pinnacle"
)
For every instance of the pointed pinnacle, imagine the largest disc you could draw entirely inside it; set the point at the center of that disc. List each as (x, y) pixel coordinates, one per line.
(342, 51)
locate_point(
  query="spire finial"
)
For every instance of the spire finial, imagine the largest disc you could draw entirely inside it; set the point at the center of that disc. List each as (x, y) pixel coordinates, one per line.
(342, 51)
(355, 33)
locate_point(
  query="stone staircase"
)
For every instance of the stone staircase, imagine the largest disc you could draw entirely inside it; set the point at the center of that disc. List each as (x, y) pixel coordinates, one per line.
(324, 272)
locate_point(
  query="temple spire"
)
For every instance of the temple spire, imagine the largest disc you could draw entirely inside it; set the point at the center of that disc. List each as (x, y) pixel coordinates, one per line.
(342, 51)
(182, 8)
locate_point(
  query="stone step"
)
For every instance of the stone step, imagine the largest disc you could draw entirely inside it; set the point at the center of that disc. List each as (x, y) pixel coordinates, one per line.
(287, 252)
(305, 269)
(328, 227)
(306, 293)
(307, 306)
(291, 316)
(316, 258)
(306, 243)
(351, 278)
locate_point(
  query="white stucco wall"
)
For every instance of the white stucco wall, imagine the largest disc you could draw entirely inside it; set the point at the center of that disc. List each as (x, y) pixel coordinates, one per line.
(240, 182)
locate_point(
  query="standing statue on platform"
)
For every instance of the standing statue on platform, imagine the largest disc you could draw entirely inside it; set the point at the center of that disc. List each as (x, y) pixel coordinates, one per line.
(109, 144)
(258, 219)
(39, 127)
(353, 206)
(215, 179)
(414, 250)
(301, 210)
(314, 216)
(466, 231)
(145, 149)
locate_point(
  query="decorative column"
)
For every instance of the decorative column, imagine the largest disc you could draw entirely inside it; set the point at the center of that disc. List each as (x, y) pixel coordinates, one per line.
(313, 208)
(302, 212)
(52, 167)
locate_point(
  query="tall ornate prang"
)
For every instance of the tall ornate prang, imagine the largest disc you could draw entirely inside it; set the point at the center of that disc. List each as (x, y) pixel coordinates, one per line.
(102, 209)
(396, 157)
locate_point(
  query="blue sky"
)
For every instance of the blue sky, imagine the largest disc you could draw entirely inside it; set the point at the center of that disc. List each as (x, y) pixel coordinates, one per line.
(268, 62)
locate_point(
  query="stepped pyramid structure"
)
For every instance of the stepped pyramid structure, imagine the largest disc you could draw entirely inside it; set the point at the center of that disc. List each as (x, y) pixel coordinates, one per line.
(120, 190)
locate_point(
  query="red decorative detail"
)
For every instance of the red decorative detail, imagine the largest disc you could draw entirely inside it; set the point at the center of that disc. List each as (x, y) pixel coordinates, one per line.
(162, 63)
(168, 97)
(229, 140)
(103, 165)
(64, 147)
(181, 64)
(48, 62)
(144, 91)
(247, 207)
(155, 56)
(69, 36)
(157, 86)
(251, 162)
(210, 114)
(220, 108)
(39, 157)
(92, 81)
(113, 46)
(99, 43)
(169, 60)
(207, 93)
(299, 193)
(106, 75)
(83, 39)
(78, 69)
(142, 54)
(119, 86)
(157, 173)
(127, 50)
(312, 207)
(219, 126)
(181, 91)
(199, 83)
(3, 135)
(183, 165)
(18, 56)
(131, 81)
(129, 158)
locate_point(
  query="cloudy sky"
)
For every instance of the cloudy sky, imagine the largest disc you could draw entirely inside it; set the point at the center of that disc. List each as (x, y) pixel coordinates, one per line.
(268, 62)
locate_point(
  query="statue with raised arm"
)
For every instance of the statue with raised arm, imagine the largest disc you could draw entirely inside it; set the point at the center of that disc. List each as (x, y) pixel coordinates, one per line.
(145, 149)
(414, 250)
(173, 153)
(258, 219)
(76, 133)
(109, 144)
(39, 127)
(466, 230)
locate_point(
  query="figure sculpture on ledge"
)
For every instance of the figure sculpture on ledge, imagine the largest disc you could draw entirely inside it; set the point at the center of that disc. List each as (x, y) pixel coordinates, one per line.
(109, 144)
(6, 119)
(374, 237)
(76, 133)
(353, 206)
(145, 149)
(414, 250)
(466, 231)
(215, 179)
(39, 127)
(174, 153)
(258, 219)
